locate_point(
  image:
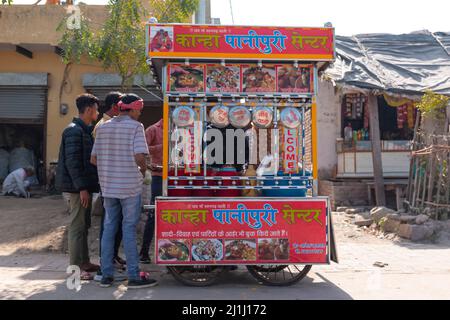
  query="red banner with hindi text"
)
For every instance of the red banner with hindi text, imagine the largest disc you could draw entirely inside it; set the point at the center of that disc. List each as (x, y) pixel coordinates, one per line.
(246, 231)
(239, 42)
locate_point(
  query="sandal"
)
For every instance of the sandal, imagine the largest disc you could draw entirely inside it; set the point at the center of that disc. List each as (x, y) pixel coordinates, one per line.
(86, 276)
(90, 267)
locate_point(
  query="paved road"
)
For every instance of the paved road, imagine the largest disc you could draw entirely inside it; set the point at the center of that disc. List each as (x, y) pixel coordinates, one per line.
(414, 271)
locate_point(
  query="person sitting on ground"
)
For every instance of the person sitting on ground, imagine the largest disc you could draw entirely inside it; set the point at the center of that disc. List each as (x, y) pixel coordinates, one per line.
(15, 184)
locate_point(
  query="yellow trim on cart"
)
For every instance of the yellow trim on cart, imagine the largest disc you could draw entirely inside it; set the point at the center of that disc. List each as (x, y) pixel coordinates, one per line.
(314, 138)
(166, 138)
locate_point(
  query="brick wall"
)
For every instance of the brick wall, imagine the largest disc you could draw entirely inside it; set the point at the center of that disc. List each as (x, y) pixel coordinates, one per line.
(344, 193)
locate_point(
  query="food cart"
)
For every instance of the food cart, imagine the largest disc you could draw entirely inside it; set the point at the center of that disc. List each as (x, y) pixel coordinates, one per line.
(240, 151)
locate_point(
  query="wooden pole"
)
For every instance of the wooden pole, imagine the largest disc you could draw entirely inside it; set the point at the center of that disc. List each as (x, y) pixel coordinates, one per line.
(376, 151)
(447, 191)
(411, 162)
(416, 182)
(432, 172)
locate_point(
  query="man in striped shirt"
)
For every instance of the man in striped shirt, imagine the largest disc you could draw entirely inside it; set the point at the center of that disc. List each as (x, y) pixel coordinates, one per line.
(119, 152)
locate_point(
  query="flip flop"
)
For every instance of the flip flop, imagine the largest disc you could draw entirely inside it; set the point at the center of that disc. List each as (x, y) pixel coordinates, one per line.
(86, 276)
(90, 267)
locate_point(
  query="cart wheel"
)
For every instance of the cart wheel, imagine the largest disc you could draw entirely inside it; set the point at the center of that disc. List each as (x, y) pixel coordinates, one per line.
(274, 275)
(196, 276)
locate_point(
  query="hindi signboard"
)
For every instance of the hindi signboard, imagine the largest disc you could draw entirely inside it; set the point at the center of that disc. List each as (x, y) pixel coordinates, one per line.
(246, 231)
(239, 42)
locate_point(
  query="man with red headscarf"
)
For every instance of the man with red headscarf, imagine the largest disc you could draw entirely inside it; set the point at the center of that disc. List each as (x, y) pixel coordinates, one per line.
(119, 153)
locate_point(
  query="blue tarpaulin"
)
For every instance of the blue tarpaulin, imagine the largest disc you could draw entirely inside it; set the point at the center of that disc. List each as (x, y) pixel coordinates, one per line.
(399, 64)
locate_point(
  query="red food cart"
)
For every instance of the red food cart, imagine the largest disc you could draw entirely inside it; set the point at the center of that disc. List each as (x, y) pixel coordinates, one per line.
(240, 151)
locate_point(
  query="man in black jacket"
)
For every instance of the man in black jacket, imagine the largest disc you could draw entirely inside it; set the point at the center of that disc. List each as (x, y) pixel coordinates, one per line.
(77, 176)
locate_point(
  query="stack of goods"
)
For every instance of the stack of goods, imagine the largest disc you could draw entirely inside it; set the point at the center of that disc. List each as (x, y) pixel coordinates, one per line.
(366, 117)
(406, 116)
(411, 115)
(4, 164)
(355, 104)
(402, 116)
(20, 158)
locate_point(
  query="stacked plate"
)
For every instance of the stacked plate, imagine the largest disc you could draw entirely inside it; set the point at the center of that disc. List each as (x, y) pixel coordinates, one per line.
(262, 117)
(291, 118)
(183, 116)
(239, 117)
(219, 116)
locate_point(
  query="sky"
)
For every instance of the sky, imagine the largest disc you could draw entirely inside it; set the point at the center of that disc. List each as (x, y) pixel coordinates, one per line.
(349, 17)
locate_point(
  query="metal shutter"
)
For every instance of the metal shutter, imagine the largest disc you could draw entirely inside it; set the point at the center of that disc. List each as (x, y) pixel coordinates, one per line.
(23, 105)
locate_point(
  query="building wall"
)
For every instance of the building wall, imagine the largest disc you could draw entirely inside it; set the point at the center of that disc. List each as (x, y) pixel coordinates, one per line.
(328, 127)
(38, 24)
(51, 63)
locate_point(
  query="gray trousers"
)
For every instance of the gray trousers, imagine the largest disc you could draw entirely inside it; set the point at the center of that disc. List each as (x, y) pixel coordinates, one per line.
(80, 222)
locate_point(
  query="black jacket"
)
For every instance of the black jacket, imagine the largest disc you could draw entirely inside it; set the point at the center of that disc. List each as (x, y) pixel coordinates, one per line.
(75, 171)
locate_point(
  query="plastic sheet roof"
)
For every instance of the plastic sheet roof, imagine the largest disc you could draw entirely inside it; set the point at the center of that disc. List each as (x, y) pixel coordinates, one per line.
(406, 64)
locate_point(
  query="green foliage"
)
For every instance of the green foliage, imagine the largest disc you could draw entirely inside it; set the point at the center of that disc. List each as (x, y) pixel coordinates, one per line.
(7, 1)
(173, 10)
(120, 44)
(76, 42)
(433, 105)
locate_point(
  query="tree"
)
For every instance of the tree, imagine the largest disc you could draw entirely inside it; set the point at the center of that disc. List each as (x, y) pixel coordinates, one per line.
(120, 44)
(433, 105)
(173, 10)
(77, 40)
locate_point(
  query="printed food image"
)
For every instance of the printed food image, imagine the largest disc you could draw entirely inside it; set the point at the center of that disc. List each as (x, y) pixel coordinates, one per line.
(173, 250)
(240, 250)
(257, 79)
(207, 250)
(186, 79)
(273, 249)
(222, 79)
(291, 79)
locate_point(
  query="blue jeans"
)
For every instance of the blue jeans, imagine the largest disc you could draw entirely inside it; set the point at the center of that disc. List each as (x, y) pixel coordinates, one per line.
(131, 211)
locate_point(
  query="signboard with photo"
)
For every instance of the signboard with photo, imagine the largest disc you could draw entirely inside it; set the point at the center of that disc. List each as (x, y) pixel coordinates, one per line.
(184, 78)
(295, 80)
(242, 79)
(223, 78)
(258, 79)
